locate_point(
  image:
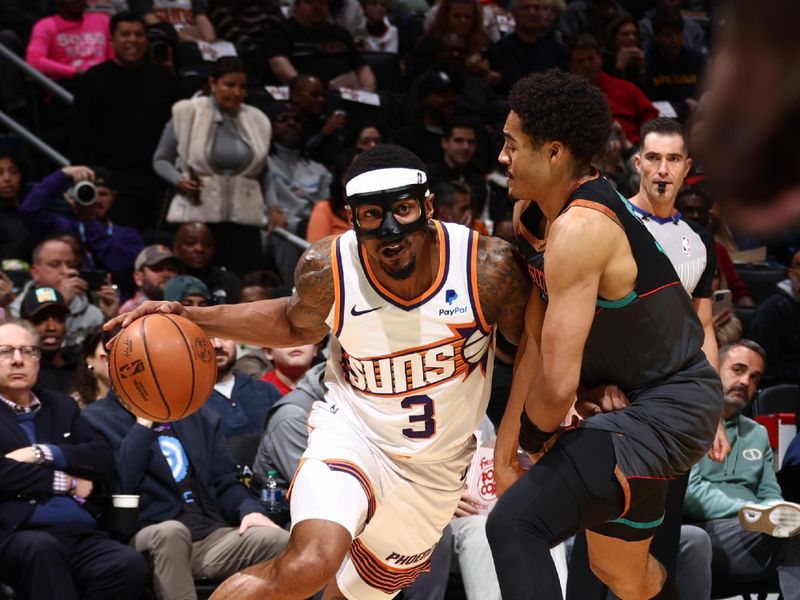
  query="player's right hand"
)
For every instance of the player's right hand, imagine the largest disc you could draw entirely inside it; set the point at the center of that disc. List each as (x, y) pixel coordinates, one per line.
(147, 308)
(604, 398)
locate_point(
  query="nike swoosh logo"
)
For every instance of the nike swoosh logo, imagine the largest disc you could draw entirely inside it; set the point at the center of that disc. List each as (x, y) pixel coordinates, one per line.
(358, 313)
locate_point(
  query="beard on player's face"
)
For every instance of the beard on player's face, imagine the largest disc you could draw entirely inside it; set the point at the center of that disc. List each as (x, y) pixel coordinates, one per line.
(401, 272)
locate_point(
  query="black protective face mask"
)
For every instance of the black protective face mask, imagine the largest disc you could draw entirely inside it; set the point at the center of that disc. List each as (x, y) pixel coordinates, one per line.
(390, 230)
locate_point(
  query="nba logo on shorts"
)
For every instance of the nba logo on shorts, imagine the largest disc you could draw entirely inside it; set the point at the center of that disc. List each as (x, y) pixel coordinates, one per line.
(450, 296)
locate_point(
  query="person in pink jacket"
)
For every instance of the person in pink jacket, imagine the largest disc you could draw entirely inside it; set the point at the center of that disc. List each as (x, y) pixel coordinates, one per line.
(67, 44)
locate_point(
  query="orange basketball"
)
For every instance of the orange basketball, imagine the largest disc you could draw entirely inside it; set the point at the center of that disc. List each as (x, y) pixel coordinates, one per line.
(162, 367)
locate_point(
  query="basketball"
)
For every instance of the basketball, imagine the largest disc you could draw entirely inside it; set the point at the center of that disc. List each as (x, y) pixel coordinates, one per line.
(162, 367)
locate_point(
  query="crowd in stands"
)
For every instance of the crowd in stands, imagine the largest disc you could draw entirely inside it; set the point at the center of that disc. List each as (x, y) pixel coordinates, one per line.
(207, 141)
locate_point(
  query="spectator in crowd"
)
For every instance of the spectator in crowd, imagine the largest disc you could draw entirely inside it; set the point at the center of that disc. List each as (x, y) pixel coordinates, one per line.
(695, 204)
(154, 266)
(321, 133)
(329, 216)
(187, 290)
(381, 36)
(194, 247)
(349, 15)
(727, 326)
(367, 136)
(474, 97)
(422, 133)
(289, 365)
(776, 326)
(464, 19)
(242, 22)
(296, 185)
(50, 546)
(220, 147)
(453, 204)
(693, 36)
(258, 285)
(188, 17)
(92, 381)
(589, 16)
(623, 55)
(15, 239)
(120, 110)
(673, 71)
(189, 498)
(525, 50)
(458, 145)
(240, 401)
(110, 247)
(747, 548)
(629, 106)
(551, 15)
(44, 308)
(308, 42)
(66, 45)
(54, 265)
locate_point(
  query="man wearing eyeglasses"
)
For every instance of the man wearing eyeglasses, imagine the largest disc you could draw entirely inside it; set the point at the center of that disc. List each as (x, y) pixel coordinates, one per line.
(50, 463)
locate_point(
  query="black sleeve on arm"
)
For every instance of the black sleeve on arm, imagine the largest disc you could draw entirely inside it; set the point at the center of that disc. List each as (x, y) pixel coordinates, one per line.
(703, 287)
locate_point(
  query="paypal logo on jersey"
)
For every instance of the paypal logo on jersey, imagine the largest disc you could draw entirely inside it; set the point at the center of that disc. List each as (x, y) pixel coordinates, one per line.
(451, 296)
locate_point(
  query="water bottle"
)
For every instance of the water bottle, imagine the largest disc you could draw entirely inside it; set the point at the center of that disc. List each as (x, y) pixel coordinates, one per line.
(271, 493)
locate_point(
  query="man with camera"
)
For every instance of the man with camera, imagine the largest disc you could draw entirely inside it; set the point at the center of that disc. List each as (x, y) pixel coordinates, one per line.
(109, 248)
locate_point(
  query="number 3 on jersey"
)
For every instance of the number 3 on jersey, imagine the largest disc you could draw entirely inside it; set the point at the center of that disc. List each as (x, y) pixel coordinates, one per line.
(426, 418)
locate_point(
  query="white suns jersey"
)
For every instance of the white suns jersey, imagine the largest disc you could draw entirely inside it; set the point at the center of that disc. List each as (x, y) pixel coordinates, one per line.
(413, 375)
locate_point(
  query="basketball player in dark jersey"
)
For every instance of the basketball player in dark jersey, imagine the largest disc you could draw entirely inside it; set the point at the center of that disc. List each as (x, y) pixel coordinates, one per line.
(608, 308)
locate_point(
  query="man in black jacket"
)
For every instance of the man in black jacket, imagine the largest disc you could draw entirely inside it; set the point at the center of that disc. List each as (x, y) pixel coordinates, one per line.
(120, 111)
(189, 497)
(50, 546)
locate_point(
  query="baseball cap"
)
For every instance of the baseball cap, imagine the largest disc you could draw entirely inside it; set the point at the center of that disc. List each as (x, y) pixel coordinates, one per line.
(433, 82)
(181, 286)
(39, 298)
(152, 255)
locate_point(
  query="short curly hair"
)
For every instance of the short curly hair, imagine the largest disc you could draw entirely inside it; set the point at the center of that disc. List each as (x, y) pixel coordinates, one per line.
(560, 106)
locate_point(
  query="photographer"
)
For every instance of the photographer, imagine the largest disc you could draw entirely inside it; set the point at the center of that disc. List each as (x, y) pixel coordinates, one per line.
(109, 247)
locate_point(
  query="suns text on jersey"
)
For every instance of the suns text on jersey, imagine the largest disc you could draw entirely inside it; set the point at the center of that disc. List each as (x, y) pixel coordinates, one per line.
(416, 369)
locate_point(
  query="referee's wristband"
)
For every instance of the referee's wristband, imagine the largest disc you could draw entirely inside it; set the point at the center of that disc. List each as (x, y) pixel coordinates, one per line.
(531, 438)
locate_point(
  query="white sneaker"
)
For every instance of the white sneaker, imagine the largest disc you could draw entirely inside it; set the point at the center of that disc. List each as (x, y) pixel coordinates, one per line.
(781, 519)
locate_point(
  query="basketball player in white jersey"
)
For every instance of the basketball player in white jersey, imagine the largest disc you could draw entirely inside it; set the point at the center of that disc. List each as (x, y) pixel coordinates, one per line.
(413, 304)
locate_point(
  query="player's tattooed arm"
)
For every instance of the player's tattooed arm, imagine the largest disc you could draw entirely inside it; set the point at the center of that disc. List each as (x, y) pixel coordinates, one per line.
(503, 286)
(313, 296)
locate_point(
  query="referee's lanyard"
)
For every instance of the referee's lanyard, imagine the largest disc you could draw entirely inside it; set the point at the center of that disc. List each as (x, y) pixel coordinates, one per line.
(88, 258)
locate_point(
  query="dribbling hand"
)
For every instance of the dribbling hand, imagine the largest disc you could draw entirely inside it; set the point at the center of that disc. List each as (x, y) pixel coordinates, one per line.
(147, 308)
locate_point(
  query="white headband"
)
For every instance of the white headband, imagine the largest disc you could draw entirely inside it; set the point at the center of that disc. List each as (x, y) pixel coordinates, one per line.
(384, 179)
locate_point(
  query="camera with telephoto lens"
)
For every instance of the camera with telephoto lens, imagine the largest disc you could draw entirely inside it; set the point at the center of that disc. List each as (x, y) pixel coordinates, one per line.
(84, 193)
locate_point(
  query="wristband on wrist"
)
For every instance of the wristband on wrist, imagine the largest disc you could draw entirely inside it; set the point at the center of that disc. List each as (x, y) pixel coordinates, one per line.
(531, 438)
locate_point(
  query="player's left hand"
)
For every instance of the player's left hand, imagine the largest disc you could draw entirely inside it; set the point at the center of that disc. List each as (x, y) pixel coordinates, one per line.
(255, 519)
(721, 446)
